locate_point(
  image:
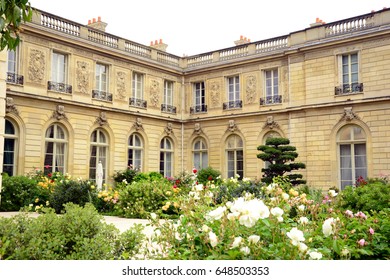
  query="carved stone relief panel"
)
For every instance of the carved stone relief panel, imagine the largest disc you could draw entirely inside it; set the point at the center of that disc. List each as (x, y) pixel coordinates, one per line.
(154, 92)
(121, 85)
(215, 87)
(36, 65)
(82, 76)
(250, 88)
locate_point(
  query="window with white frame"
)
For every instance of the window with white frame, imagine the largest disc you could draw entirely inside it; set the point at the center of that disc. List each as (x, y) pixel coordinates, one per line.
(101, 77)
(166, 157)
(56, 145)
(10, 148)
(233, 91)
(349, 74)
(200, 154)
(199, 100)
(59, 67)
(271, 78)
(98, 153)
(168, 93)
(352, 154)
(138, 86)
(13, 67)
(135, 151)
(235, 156)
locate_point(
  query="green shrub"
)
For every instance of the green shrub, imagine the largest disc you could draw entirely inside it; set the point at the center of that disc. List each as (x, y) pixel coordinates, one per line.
(75, 191)
(374, 195)
(139, 199)
(207, 175)
(17, 192)
(79, 234)
(232, 188)
(126, 176)
(150, 176)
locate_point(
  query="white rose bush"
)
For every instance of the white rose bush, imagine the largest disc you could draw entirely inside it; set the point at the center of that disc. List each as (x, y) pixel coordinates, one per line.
(282, 223)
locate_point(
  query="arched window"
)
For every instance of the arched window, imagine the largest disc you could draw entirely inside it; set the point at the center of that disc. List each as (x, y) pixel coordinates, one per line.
(99, 153)
(135, 151)
(235, 156)
(55, 149)
(351, 140)
(10, 148)
(271, 134)
(166, 157)
(200, 155)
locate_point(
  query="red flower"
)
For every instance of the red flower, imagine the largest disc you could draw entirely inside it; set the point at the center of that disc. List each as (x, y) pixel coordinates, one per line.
(49, 175)
(210, 178)
(174, 186)
(177, 182)
(194, 170)
(47, 166)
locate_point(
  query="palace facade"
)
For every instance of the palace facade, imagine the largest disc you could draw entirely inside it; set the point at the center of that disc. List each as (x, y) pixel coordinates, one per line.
(73, 95)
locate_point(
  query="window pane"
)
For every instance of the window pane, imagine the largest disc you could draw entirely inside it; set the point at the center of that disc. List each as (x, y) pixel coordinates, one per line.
(9, 128)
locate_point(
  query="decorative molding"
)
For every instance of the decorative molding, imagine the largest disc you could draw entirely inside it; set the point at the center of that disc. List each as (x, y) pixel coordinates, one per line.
(169, 129)
(10, 106)
(102, 119)
(215, 88)
(59, 113)
(197, 129)
(270, 123)
(138, 124)
(154, 93)
(121, 85)
(232, 126)
(82, 76)
(36, 66)
(251, 85)
(349, 115)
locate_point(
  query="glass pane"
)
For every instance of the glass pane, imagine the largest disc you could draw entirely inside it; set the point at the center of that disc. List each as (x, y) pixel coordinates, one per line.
(102, 137)
(137, 141)
(94, 136)
(9, 128)
(60, 133)
(197, 160)
(345, 133)
(358, 133)
(197, 146)
(205, 162)
(50, 132)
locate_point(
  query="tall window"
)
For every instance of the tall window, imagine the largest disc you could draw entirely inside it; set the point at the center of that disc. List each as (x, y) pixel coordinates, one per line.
(200, 155)
(55, 149)
(352, 154)
(271, 86)
(10, 145)
(135, 151)
(13, 67)
(59, 68)
(349, 74)
(199, 98)
(98, 153)
(138, 85)
(101, 78)
(166, 157)
(235, 156)
(168, 93)
(234, 89)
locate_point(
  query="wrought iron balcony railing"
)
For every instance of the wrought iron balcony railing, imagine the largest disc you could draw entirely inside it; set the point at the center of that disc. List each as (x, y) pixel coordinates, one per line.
(168, 108)
(276, 99)
(232, 105)
(15, 78)
(198, 109)
(60, 87)
(102, 95)
(348, 88)
(138, 102)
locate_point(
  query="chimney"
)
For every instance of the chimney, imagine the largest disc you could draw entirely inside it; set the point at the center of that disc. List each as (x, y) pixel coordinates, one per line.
(317, 23)
(97, 24)
(159, 45)
(243, 40)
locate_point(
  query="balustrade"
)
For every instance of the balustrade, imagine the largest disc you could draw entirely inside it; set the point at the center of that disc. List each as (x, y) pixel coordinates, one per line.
(138, 102)
(60, 87)
(232, 105)
(15, 78)
(102, 95)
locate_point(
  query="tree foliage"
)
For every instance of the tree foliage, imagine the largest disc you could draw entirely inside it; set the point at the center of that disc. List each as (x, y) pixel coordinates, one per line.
(12, 13)
(281, 158)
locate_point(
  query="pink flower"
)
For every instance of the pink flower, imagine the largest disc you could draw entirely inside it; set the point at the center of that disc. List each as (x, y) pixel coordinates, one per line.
(371, 230)
(349, 213)
(361, 215)
(362, 242)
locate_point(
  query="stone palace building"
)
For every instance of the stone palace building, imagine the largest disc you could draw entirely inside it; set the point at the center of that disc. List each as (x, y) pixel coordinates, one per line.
(72, 95)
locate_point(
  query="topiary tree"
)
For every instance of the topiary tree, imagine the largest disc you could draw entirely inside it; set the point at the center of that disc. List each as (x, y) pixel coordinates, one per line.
(280, 157)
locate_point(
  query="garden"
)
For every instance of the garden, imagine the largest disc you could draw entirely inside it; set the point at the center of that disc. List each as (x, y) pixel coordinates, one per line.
(197, 215)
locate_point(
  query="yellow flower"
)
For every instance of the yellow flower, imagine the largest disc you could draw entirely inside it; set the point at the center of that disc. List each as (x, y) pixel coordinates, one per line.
(37, 200)
(176, 205)
(165, 207)
(92, 187)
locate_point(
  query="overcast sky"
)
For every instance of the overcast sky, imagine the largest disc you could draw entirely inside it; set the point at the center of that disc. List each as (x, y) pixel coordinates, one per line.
(194, 27)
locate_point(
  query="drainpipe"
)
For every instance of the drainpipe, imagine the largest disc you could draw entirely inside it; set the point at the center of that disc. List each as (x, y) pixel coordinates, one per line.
(182, 124)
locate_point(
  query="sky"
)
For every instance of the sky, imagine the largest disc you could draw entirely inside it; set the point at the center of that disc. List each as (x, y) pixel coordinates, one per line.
(191, 27)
